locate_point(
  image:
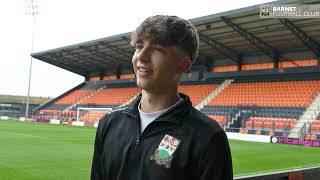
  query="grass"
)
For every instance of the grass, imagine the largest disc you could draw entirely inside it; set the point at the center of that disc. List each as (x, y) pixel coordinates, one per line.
(34, 151)
(43, 151)
(254, 157)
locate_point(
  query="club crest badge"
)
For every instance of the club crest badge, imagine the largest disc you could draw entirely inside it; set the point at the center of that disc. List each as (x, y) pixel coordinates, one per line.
(163, 154)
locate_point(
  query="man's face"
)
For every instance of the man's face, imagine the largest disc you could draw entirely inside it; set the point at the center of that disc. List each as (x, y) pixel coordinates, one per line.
(157, 67)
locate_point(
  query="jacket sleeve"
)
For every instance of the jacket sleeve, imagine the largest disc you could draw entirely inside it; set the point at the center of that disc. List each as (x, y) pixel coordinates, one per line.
(96, 162)
(215, 162)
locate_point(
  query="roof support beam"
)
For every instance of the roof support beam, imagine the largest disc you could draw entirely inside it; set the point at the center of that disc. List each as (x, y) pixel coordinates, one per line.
(276, 61)
(63, 65)
(313, 45)
(101, 75)
(102, 55)
(117, 50)
(239, 67)
(226, 51)
(209, 62)
(118, 72)
(257, 42)
(67, 64)
(81, 56)
(96, 53)
(96, 65)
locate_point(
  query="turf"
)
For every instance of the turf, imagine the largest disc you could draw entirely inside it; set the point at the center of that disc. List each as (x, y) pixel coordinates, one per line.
(254, 157)
(43, 151)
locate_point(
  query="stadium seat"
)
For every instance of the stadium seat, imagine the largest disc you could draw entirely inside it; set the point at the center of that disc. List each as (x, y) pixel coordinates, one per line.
(197, 92)
(222, 120)
(261, 123)
(288, 93)
(115, 96)
(74, 96)
(92, 116)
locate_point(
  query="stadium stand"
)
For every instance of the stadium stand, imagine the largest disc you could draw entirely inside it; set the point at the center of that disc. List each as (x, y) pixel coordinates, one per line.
(114, 96)
(291, 94)
(127, 76)
(274, 81)
(14, 107)
(74, 96)
(301, 63)
(274, 105)
(260, 123)
(315, 127)
(284, 64)
(222, 120)
(94, 78)
(92, 116)
(110, 77)
(224, 69)
(45, 112)
(197, 92)
(270, 105)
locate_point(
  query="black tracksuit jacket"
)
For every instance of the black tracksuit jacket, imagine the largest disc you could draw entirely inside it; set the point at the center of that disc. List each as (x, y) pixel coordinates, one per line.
(121, 152)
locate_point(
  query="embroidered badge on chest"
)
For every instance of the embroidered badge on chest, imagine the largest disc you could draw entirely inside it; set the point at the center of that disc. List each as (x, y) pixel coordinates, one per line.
(163, 154)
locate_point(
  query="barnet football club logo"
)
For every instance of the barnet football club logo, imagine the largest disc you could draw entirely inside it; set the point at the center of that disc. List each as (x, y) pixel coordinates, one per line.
(163, 154)
(264, 11)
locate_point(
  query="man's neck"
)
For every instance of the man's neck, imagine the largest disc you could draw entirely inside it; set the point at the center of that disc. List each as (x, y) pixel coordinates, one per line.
(153, 102)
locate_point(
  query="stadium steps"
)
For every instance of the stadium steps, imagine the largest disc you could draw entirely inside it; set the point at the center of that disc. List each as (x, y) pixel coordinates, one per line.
(234, 119)
(214, 93)
(307, 118)
(75, 104)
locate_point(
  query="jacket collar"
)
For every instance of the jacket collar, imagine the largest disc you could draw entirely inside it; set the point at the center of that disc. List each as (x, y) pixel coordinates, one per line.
(174, 115)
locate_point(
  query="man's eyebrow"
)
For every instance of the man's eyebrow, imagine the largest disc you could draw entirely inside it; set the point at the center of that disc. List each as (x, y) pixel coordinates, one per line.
(139, 41)
(157, 44)
(133, 44)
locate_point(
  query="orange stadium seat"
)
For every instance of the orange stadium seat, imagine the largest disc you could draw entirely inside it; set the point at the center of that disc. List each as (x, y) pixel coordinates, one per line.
(110, 77)
(116, 96)
(288, 64)
(222, 120)
(310, 136)
(74, 96)
(291, 93)
(197, 92)
(224, 68)
(94, 78)
(270, 123)
(243, 131)
(127, 76)
(315, 126)
(92, 116)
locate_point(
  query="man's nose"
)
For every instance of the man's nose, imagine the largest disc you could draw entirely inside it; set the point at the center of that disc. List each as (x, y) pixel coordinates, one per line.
(144, 55)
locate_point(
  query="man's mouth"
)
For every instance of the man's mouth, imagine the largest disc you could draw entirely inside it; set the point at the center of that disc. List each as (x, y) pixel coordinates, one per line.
(144, 71)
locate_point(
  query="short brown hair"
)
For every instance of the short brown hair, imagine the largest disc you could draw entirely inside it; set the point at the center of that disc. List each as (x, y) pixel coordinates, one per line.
(168, 31)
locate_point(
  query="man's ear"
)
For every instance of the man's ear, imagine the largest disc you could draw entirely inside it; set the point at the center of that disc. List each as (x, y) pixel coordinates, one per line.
(185, 65)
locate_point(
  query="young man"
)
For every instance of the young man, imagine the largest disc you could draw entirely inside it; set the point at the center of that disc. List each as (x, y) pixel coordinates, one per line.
(160, 136)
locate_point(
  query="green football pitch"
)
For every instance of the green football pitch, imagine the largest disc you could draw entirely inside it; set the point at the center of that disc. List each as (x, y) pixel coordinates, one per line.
(36, 151)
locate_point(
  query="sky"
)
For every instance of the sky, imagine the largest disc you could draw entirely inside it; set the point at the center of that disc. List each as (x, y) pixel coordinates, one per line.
(65, 22)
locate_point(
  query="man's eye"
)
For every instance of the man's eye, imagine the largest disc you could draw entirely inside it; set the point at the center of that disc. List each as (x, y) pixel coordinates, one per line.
(157, 49)
(138, 47)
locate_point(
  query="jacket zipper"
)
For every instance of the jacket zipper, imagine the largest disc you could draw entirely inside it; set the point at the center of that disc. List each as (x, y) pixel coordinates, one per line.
(138, 134)
(138, 139)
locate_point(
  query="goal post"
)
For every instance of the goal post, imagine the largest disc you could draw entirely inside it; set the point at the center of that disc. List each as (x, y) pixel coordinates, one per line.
(90, 116)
